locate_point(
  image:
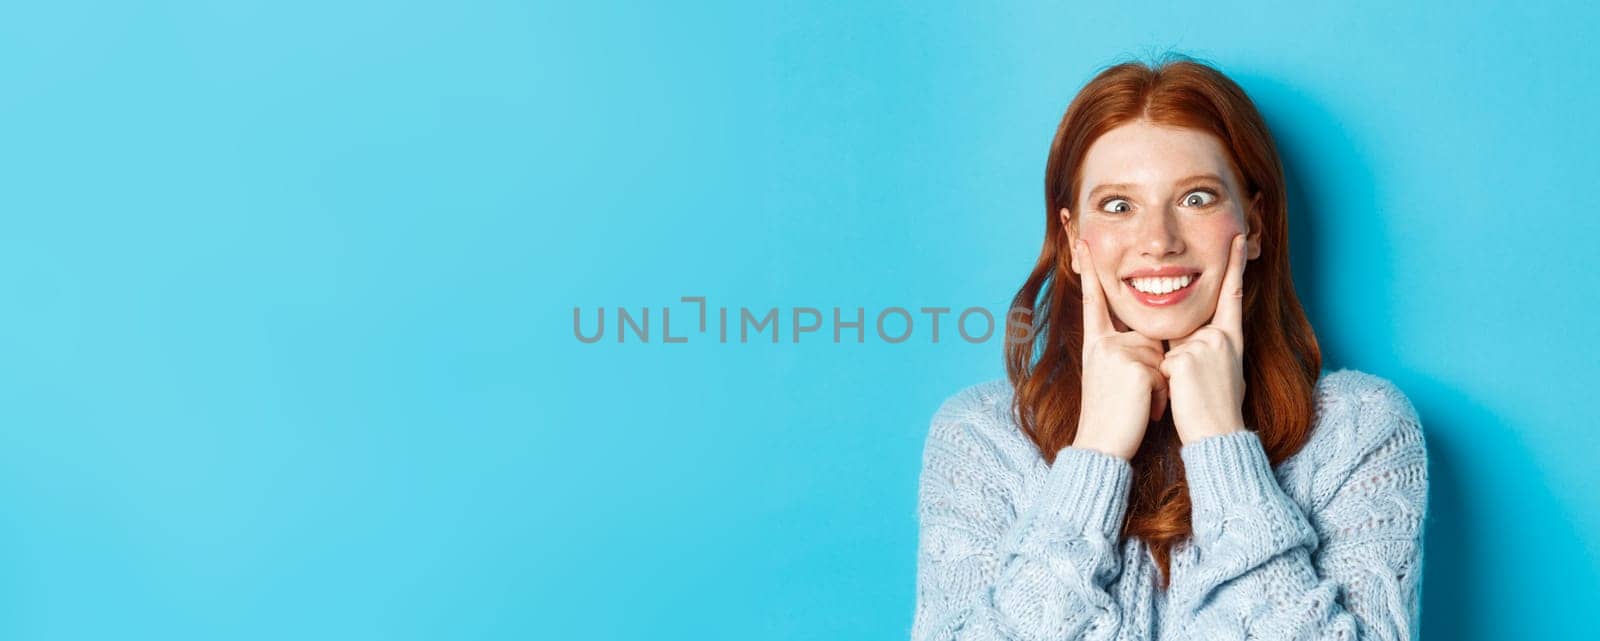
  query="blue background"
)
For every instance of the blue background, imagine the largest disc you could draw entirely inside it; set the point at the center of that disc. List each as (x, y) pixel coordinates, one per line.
(288, 346)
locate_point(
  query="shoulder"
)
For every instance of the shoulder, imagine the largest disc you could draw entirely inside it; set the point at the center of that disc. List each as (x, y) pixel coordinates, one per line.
(1362, 420)
(1358, 390)
(1364, 408)
(975, 403)
(975, 427)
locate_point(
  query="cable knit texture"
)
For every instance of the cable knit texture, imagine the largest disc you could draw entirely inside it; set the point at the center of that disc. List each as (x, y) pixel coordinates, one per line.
(1326, 546)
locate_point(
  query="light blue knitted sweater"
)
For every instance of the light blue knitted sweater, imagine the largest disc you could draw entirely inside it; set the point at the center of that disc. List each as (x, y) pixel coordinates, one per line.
(1326, 546)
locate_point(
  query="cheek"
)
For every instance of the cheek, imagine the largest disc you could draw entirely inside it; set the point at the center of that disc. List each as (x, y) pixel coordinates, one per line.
(1211, 238)
(1221, 235)
(1111, 246)
(1106, 252)
(1104, 245)
(1224, 228)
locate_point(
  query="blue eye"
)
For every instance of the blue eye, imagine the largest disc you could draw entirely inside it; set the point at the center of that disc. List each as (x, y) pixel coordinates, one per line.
(1108, 201)
(1190, 200)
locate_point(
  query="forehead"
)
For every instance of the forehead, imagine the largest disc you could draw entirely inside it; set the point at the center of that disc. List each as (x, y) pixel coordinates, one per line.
(1144, 153)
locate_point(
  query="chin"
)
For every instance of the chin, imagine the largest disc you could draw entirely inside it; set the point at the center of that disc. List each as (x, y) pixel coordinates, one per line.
(1163, 331)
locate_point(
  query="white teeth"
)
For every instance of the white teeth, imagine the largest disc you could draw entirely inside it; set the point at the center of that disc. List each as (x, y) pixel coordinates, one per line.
(1161, 285)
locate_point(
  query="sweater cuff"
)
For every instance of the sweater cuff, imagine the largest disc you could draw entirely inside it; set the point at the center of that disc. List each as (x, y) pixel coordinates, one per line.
(1087, 491)
(1230, 471)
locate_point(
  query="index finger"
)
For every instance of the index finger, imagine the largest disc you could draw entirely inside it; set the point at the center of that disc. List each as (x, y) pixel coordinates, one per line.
(1229, 316)
(1096, 318)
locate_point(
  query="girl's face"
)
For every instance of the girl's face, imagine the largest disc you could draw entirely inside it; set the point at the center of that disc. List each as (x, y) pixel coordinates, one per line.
(1157, 197)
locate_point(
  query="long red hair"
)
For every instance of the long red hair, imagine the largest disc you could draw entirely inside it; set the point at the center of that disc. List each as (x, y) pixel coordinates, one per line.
(1281, 358)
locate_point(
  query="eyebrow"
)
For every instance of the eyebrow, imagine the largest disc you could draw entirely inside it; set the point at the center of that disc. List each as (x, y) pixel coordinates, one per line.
(1128, 186)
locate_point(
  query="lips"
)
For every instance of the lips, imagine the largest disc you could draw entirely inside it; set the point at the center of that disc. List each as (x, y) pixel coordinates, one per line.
(1165, 270)
(1162, 300)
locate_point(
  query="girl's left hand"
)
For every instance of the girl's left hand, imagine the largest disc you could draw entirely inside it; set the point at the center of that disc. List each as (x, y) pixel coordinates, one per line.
(1204, 370)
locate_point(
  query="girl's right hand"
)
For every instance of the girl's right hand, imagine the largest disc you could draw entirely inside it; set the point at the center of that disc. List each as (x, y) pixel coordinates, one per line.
(1123, 386)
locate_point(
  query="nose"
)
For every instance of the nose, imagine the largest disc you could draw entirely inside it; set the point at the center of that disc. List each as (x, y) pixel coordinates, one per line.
(1157, 234)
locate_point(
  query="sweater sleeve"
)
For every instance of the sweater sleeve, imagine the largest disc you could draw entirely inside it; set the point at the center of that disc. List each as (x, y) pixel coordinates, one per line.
(1352, 570)
(987, 573)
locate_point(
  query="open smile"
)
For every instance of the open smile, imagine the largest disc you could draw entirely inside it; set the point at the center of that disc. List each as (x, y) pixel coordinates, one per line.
(1172, 289)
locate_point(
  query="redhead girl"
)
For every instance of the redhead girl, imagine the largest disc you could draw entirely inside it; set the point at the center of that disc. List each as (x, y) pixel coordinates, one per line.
(1167, 459)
